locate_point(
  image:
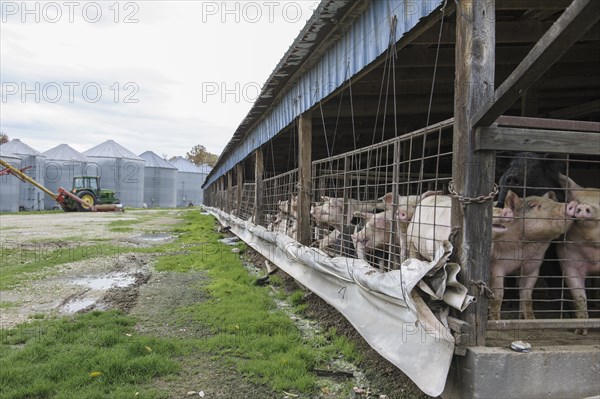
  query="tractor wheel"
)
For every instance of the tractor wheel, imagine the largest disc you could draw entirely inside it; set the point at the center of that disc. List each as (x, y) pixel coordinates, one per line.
(88, 197)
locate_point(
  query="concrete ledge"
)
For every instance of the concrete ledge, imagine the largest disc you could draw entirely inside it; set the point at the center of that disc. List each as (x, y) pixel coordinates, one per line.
(544, 372)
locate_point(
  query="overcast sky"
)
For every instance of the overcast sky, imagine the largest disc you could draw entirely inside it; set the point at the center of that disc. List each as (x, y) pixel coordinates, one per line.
(151, 75)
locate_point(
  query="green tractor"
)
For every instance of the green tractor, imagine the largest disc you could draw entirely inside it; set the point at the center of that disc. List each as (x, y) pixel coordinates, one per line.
(87, 188)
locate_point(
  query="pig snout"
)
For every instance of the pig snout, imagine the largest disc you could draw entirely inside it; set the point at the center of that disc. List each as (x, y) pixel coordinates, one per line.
(584, 211)
(572, 208)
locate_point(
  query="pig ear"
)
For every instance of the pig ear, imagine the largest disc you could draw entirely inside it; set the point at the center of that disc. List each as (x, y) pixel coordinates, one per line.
(429, 193)
(324, 198)
(512, 200)
(550, 195)
(567, 182)
(387, 198)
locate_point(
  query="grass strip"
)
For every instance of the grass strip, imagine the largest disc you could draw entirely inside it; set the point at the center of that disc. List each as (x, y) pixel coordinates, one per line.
(246, 328)
(93, 355)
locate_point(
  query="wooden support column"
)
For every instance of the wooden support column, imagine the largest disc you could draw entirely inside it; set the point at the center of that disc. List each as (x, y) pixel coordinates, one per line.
(229, 191)
(304, 177)
(473, 172)
(259, 169)
(239, 171)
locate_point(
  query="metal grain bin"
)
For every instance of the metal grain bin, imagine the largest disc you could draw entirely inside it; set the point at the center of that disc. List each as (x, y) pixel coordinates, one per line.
(160, 178)
(30, 197)
(9, 184)
(189, 182)
(119, 169)
(62, 163)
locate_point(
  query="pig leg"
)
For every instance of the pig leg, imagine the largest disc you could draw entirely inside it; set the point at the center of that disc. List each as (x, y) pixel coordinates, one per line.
(497, 287)
(574, 274)
(526, 283)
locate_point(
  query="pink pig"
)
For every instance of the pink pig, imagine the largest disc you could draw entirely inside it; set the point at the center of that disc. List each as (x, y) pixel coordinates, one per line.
(520, 244)
(580, 252)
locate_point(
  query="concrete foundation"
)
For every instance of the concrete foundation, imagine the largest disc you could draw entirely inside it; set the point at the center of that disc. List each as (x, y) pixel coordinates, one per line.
(544, 372)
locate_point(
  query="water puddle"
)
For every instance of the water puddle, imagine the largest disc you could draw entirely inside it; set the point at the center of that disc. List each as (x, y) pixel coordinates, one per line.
(96, 288)
(153, 237)
(111, 280)
(230, 241)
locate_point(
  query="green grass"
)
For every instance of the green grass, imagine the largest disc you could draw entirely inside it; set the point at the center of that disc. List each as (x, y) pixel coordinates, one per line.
(54, 358)
(246, 327)
(87, 356)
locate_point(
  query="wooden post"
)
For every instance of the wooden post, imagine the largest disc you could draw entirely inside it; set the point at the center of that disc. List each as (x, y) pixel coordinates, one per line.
(473, 172)
(229, 191)
(304, 177)
(239, 171)
(258, 191)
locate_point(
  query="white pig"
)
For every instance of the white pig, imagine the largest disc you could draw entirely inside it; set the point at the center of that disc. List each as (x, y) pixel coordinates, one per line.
(579, 254)
(519, 246)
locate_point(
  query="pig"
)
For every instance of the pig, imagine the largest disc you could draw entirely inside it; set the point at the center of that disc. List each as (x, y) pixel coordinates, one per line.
(529, 173)
(519, 246)
(340, 242)
(331, 212)
(377, 231)
(429, 227)
(579, 253)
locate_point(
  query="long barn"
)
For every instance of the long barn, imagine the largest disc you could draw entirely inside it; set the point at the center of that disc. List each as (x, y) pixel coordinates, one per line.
(380, 107)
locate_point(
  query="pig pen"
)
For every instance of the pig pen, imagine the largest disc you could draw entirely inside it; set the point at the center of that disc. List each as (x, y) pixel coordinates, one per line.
(380, 191)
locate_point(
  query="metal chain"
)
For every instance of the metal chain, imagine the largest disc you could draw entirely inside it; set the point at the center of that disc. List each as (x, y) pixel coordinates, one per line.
(482, 288)
(468, 200)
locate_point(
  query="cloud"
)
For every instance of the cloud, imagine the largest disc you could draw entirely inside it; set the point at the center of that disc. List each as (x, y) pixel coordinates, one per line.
(142, 84)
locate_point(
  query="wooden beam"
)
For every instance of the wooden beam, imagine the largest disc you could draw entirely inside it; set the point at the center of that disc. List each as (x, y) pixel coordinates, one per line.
(259, 170)
(550, 124)
(577, 19)
(472, 171)
(537, 140)
(304, 177)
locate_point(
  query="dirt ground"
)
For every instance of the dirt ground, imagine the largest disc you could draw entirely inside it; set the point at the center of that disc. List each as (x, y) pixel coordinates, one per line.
(126, 280)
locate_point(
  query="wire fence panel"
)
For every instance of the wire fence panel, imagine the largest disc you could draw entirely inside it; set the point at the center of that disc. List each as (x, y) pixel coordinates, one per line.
(365, 199)
(546, 253)
(279, 203)
(247, 201)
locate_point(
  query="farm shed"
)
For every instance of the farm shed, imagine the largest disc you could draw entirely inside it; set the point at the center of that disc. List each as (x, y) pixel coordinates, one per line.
(435, 101)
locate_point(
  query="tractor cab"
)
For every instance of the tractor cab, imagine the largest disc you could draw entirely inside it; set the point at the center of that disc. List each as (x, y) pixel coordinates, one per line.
(88, 189)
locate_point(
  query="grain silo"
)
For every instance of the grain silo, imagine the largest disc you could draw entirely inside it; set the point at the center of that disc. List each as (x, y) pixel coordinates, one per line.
(160, 179)
(9, 184)
(119, 169)
(189, 182)
(62, 163)
(205, 170)
(32, 163)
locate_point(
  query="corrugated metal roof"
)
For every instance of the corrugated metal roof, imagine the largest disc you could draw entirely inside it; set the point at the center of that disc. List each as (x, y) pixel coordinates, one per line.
(183, 165)
(340, 40)
(154, 161)
(17, 147)
(111, 149)
(63, 152)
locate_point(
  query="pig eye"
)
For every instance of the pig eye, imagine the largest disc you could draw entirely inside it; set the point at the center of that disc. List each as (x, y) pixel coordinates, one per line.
(531, 204)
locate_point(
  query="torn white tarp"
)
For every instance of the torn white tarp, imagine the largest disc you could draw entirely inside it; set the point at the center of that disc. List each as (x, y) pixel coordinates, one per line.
(383, 307)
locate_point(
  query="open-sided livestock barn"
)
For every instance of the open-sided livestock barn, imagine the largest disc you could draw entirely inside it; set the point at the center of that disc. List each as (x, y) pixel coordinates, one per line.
(447, 103)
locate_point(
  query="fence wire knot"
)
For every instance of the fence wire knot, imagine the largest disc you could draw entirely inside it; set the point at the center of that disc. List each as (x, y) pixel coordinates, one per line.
(482, 288)
(468, 200)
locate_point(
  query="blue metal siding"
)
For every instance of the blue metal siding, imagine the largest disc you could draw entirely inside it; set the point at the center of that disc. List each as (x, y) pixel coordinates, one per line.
(367, 39)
